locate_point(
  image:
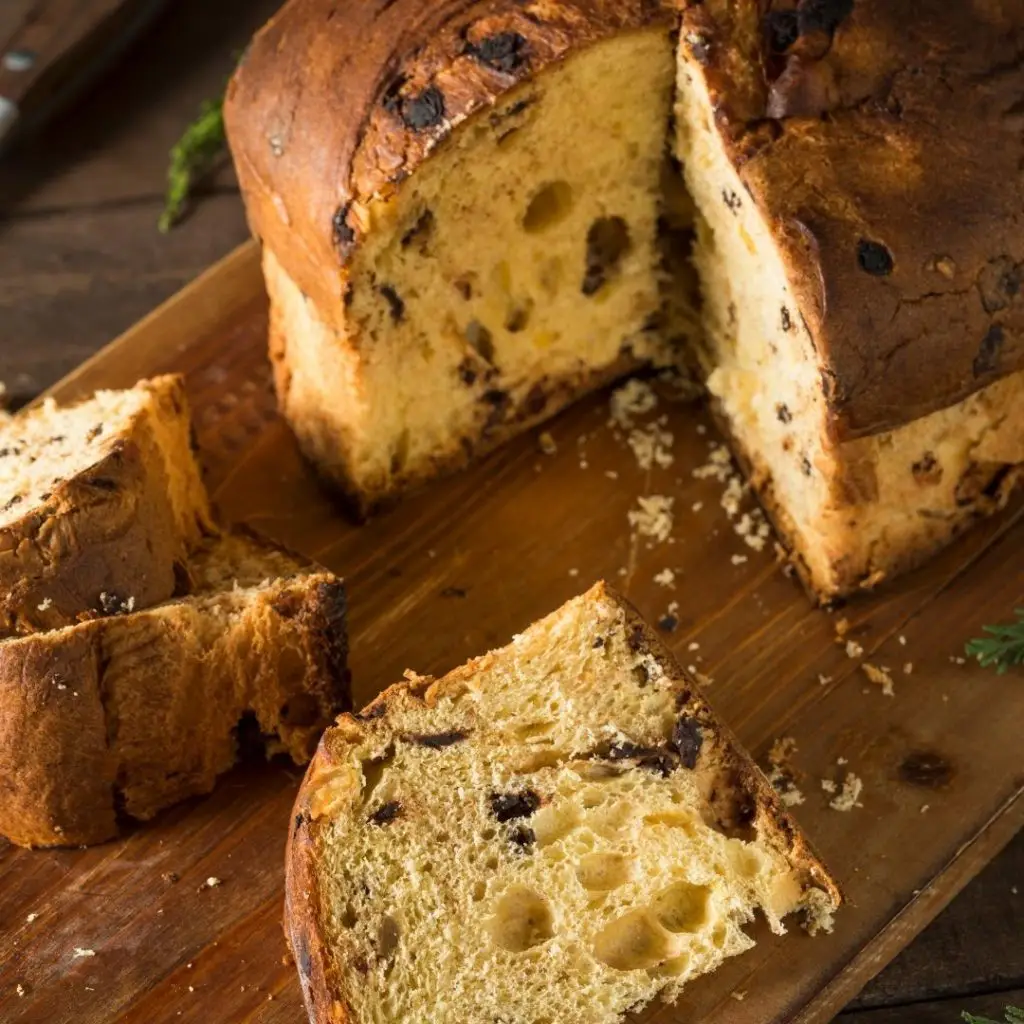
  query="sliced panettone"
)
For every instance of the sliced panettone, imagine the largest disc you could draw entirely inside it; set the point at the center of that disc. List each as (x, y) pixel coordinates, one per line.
(557, 831)
(124, 715)
(100, 503)
(466, 223)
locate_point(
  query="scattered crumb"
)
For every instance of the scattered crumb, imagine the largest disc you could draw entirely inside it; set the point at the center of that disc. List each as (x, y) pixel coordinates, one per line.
(880, 677)
(701, 429)
(718, 467)
(738, 559)
(693, 646)
(902, 640)
(574, 572)
(611, 474)
(823, 679)
(924, 808)
(651, 446)
(20, 989)
(842, 627)
(654, 517)
(842, 760)
(849, 796)
(634, 398)
(584, 464)
(665, 578)
(853, 649)
(191, 988)
(828, 785)
(79, 952)
(908, 668)
(546, 443)
(696, 506)
(1013, 890)
(211, 883)
(956, 660)
(170, 877)
(623, 571)
(738, 996)
(46, 605)
(31, 918)
(703, 680)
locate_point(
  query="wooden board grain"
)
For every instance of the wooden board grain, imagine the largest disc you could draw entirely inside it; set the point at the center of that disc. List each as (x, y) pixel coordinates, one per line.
(942, 761)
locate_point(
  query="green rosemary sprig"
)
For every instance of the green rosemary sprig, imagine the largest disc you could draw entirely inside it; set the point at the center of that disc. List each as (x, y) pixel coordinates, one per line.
(195, 154)
(1013, 1016)
(1003, 647)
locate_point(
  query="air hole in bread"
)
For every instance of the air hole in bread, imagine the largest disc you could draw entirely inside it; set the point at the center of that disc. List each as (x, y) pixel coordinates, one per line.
(549, 206)
(682, 907)
(373, 772)
(602, 872)
(633, 942)
(522, 920)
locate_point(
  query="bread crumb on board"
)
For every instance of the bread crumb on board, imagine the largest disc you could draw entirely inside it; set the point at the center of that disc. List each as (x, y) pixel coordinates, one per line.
(653, 518)
(80, 952)
(849, 796)
(781, 773)
(880, 676)
(853, 649)
(665, 578)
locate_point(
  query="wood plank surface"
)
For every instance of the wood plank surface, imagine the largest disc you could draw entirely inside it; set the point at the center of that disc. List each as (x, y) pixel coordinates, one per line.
(941, 760)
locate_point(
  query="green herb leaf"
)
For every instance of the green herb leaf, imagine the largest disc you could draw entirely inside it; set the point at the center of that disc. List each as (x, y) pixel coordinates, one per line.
(1003, 647)
(1013, 1016)
(196, 154)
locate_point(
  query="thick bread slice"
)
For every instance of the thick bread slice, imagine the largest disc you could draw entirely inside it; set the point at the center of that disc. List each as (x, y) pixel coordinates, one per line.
(555, 832)
(137, 711)
(99, 504)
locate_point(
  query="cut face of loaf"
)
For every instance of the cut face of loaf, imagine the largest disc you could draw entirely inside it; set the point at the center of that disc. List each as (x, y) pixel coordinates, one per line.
(125, 715)
(511, 274)
(100, 503)
(558, 831)
(861, 304)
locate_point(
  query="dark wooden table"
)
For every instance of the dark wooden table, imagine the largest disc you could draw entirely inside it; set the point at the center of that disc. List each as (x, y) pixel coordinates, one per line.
(81, 260)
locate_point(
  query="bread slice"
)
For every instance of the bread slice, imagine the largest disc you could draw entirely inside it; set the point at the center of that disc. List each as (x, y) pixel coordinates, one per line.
(557, 831)
(125, 715)
(99, 504)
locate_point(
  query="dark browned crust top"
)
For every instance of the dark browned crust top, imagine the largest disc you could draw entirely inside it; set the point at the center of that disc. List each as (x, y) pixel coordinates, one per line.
(337, 102)
(741, 799)
(882, 140)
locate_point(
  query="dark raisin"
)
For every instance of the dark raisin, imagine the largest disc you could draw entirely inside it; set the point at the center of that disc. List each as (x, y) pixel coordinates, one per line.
(517, 319)
(927, 469)
(598, 642)
(94, 432)
(987, 358)
(649, 758)
(782, 413)
(522, 836)
(454, 592)
(731, 200)
(668, 623)
(781, 29)
(56, 439)
(46, 496)
(499, 402)
(425, 110)
(873, 258)
(642, 676)
(607, 242)
(822, 15)
(437, 740)
(536, 400)
(341, 233)
(102, 483)
(420, 230)
(509, 806)
(504, 52)
(805, 466)
(480, 339)
(787, 320)
(467, 373)
(394, 301)
(500, 116)
(636, 640)
(6, 451)
(386, 813)
(464, 287)
(687, 739)
(16, 500)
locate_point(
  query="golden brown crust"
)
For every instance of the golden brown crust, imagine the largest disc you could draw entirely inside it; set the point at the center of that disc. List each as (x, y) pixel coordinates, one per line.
(108, 537)
(881, 141)
(739, 795)
(134, 713)
(404, 72)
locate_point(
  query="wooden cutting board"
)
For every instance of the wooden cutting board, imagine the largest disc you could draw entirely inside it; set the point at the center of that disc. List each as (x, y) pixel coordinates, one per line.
(181, 920)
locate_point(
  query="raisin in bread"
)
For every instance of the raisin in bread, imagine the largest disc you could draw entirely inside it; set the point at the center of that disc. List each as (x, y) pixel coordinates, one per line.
(125, 715)
(459, 205)
(100, 503)
(557, 831)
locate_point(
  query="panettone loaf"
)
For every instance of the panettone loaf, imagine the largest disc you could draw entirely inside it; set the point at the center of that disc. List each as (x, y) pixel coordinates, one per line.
(124, 715)
(415, 170)
(557, 831)
(100, 503)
